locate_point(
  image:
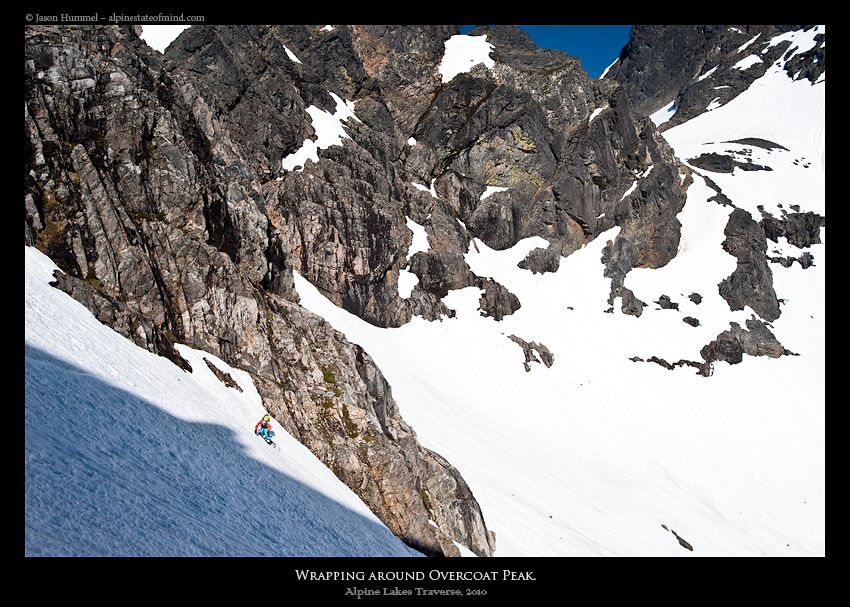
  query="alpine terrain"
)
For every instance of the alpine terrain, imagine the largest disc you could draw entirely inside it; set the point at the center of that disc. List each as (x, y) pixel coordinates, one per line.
(493, 307)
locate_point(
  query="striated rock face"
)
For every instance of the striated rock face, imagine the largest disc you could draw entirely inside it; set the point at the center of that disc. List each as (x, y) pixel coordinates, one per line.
(172, 193)
(161, 223)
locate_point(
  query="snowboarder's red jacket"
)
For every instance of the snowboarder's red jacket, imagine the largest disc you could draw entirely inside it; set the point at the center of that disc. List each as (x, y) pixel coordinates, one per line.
(262, 423)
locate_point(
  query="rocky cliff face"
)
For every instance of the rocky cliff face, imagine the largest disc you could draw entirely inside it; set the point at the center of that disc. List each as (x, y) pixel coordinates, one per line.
(162, 187)
(560, 149)
(160, 219)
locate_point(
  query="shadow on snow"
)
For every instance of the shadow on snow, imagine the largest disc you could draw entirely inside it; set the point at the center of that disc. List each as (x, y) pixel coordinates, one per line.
(110, 474)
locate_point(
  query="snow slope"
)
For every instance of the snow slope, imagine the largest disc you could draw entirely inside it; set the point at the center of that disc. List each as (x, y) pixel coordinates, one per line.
(599, 455)
(127, 455)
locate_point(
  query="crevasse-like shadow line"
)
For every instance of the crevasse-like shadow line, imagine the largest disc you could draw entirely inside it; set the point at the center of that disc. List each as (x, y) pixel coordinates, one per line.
(110, 474)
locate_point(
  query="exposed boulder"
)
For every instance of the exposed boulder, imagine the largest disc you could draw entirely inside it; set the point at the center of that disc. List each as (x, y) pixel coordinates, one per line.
(801, 230)
(533, 352)
(751, 284)
(496, 301)
(755, 340)
(724, 163)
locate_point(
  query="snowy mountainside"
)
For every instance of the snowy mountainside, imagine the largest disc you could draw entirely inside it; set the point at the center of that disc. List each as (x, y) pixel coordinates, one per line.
(563, 417)
(603, 454)
(128, 455)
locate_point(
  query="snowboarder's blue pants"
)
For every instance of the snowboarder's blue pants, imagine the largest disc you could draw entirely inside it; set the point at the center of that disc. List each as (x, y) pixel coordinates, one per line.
(264, 432)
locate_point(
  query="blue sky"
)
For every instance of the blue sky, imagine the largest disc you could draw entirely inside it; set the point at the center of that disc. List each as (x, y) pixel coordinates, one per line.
(595, 45)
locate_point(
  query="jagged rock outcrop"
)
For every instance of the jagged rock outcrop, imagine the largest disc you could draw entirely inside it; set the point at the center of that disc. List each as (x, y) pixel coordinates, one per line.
(801, 230)
(755, 340)
(751, 284)
(684, 544)
(533, 352)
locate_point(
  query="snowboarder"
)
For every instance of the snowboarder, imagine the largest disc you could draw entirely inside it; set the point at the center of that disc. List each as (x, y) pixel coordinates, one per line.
(263, 428)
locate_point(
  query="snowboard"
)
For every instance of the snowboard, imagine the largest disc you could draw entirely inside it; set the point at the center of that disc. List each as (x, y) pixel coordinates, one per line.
(270, 443)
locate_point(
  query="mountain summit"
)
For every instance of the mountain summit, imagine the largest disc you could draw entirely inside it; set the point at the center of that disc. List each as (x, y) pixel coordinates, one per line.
(498, 299)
